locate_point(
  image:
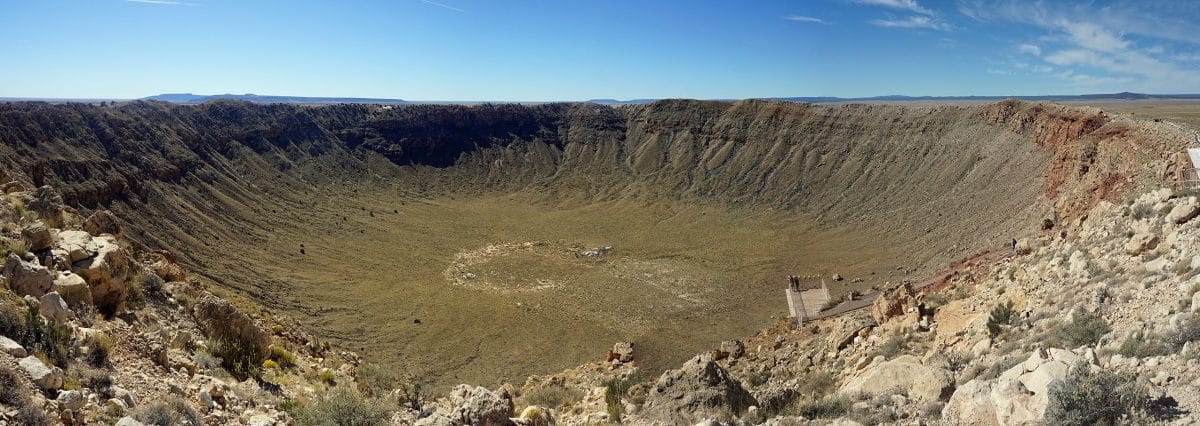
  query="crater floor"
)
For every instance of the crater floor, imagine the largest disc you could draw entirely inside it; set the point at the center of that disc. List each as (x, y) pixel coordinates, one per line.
(491, 288)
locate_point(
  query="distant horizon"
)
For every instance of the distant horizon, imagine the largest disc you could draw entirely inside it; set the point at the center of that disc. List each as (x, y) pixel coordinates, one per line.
(532, 51)
(367, 99)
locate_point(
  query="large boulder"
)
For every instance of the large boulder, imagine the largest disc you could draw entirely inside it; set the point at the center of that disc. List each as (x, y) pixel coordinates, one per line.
(893, 301)
(222, 321)
(480, 406)
(166, 267)
(472, 405)
(78, 245)
(12, 348)
(971, 405)
(45, 377)
(1140, 243)
(73, 289)
(37, 236)
(623, 352)
(698, 390)
(105, 273)
(924, 382)
(102, 222)
(26, 278)
(53, 308)
(1185, 210)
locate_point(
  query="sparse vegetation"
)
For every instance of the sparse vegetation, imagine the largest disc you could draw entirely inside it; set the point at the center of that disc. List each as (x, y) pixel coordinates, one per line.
(12, 318)
(824, 408)
(1086, 329)
(238, 358)
(1141, 345)
(282, 357)
(17, 246)
(342, 407)
(894, 345)
(152, 285)
(99, 346)
(1001, 316)
(1099, 397)
(171, 412)
(1188, 331)
(553, 396)
(616, 389)
(10, 389)
(54, 341)
(327, 377)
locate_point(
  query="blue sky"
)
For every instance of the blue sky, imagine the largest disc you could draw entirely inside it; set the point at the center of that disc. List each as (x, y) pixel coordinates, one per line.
(576, 50)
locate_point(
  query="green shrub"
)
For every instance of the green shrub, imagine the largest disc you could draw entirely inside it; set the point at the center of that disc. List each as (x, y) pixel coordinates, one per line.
(1188, 331)
(135, 296)
(239, 359)
(825, 408)
(172, 411)
(92, 378)
(100, 347)
(342, 407)
(10, 388)
(152, 285)
(327, 377)
(52, 340)
(893, 346)
(1098, 397)
(12, 319)
(1141, 346)
(553, 396)
(816, 385)
(1002, 315)
(282, 357)
(615, 389)
(13, 246)
(1085, 330)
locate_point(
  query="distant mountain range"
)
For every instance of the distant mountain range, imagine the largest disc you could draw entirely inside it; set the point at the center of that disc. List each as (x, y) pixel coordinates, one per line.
(902, 98)
(188, 98)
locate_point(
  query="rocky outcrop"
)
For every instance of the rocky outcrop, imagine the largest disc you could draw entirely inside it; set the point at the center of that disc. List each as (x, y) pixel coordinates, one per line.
(37, 236)
(105, 269)
(103, 222)
(699, 389)
(53, 308)
(45, 377)
(26, 278)
(472, 405)
(48, 204)
(73, 289)
(917, 380)
(12, 348)
(893, 301)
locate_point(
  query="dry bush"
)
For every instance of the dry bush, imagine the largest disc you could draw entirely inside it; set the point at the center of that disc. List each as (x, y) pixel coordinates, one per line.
(171, 412)
(1098, 397)
(553, 396)
(343, 407)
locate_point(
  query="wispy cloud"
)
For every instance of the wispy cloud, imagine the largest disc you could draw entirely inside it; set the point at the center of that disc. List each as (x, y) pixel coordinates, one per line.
(799, 18)
(993, 71)
(163, 2)
(442, 5)
(1138, 45)
(912, 22)
(909, 5)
